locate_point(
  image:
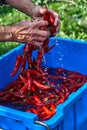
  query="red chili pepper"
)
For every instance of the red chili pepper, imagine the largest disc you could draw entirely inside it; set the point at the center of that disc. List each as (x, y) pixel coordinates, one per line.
(53, 30)
(51, 96)
(29, 59)
(23, 62)
(34, 111)
(46, 110)
(28, 53)
(38, 104)
(53, 108)
(24, 88)
(42, 113)
(60, 101)
(46, 113)
(47, 17)
(45, 99)
(28, 110)
(52, 19)
(17, 94)
(45, 45)
(41, 86)
(29, 84)
(7, 96)
(66, 90)
(22, 79)
(17, 65)
(26, 48)
(58, 92)
(29, 81)
(34, 72)
(37, 99)
(49, 48)
(40, 56)
(46, 117)
(33, 89)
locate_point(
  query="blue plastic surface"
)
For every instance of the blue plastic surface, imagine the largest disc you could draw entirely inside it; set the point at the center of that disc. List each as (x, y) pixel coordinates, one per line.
(72, 114)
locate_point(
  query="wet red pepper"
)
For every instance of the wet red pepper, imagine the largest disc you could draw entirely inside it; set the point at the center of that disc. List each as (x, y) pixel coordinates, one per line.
(29, 81)
(34, 72)
(49, 48)
(61, 100)
(23, 62)
(33, 89)
(40, 56)
(45, 45)
(46, 110)
(17, 65)
(22, 79)
(37, 99)
(46, 117)
(53, 108)
(43, 99)
(34, 111)
(41, 86)
(24, 88)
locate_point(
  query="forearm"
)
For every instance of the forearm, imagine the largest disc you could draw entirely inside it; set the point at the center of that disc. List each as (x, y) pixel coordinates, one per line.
(25, 6)
(5, 33)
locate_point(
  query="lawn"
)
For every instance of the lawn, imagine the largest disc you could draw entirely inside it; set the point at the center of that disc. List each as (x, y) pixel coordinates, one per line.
(73, 20)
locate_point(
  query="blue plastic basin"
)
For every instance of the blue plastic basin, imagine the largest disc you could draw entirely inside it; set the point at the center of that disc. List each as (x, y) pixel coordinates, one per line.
(72, 114)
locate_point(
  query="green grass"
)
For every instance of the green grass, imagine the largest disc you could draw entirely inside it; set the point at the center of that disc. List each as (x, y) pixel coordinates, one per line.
(73, 21)
(72, 18)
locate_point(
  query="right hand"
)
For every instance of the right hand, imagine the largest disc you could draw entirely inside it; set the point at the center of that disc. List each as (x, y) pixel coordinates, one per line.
(39, 12)
(29, 32)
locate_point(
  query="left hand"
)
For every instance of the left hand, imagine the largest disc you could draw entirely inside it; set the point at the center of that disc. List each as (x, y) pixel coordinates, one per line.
(39, 11)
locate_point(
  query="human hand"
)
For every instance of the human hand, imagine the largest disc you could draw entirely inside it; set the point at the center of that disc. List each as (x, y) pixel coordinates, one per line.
(39, 12)
(29, 32)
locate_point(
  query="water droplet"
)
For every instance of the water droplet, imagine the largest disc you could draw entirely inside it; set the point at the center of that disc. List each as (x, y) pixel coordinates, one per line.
(60, 59)
(57, 44)
(62, 55)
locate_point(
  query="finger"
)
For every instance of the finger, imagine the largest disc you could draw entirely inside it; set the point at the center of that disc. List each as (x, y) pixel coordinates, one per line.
(58, 27)
(56, 15)
(43, 10)
(57, 30)
(40, 23)
(34, 40)
(56, 20)
(41, 39)
(41, 33)
(36, 43)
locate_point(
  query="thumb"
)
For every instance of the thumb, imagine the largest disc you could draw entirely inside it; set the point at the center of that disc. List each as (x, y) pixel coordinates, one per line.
(43, 10)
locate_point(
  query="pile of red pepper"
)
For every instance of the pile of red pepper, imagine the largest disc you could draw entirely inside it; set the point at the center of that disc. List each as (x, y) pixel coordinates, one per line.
(37, 89)
(40, 94)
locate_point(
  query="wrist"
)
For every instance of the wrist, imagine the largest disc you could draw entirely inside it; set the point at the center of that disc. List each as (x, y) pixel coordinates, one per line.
(35, 11)
(30, 9)
(5, 33)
